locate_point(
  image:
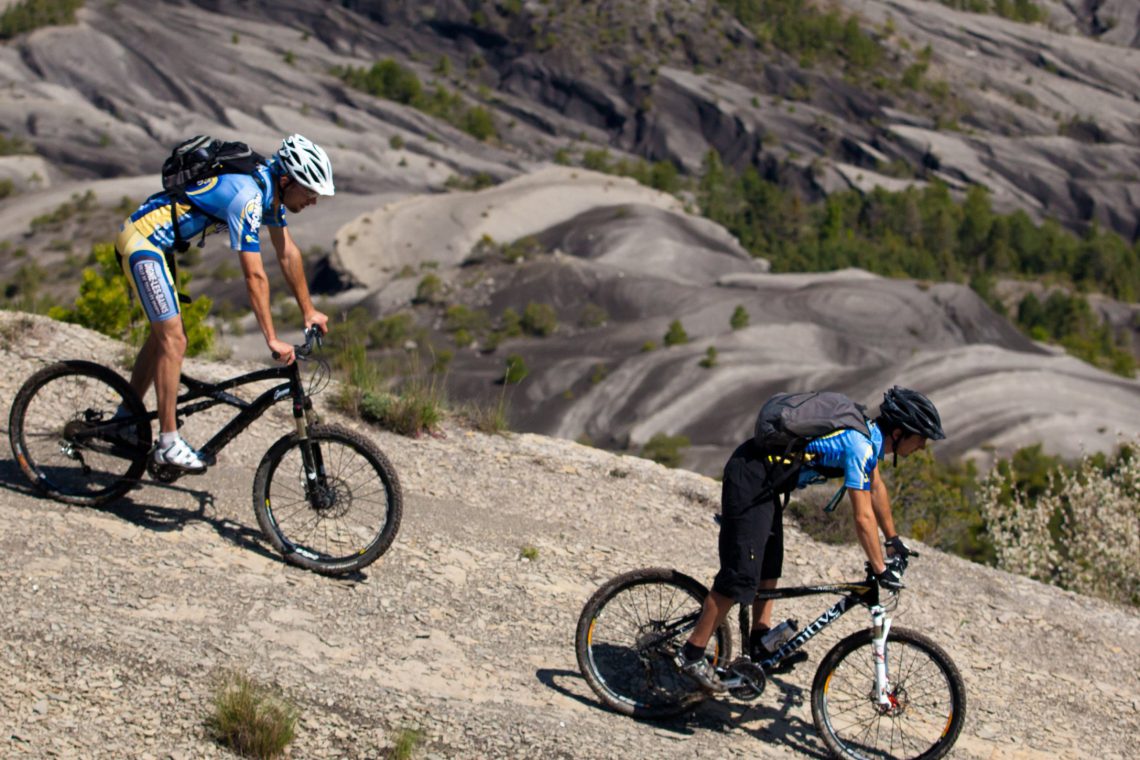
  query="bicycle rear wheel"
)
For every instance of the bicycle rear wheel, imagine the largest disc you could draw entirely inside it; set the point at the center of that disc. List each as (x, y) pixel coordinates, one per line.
(341, 520)
(628, 633)
(54, 428)
(927, 694)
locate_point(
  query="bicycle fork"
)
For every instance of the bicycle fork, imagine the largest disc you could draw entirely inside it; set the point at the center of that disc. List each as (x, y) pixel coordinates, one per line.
(881, 626)
(315, 481)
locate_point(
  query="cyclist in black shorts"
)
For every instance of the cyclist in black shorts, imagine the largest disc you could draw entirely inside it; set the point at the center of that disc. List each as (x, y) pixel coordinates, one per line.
(751, 543)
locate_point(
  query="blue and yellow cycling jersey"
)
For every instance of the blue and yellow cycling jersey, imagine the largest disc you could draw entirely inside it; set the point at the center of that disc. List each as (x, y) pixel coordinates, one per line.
(845, 451)
(229, 201)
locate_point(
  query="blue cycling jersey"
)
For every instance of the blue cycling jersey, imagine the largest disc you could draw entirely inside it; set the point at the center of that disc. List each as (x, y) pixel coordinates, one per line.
(847, 451)
(229, 201)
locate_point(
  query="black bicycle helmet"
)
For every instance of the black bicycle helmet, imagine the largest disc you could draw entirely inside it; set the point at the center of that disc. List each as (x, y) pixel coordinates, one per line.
(911, 411)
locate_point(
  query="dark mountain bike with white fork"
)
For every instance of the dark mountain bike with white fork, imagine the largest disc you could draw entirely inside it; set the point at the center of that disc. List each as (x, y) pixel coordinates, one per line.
(884, 692)
(325, 496)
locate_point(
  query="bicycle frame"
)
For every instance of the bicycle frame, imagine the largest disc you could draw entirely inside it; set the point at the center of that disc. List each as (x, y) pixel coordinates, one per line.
(864, 593)
(217, 393)
(214, 394)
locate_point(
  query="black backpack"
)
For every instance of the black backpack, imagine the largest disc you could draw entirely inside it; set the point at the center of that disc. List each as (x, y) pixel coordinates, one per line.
(788, 422)
(199, 158)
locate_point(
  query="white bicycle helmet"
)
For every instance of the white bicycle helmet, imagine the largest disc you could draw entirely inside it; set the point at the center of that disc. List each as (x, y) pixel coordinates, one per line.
(307, 164)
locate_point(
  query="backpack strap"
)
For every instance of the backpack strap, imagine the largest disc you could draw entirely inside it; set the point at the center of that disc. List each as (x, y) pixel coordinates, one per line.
(180, 245)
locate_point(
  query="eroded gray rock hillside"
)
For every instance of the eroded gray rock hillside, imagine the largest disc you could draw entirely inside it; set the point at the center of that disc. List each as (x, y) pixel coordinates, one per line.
(1045, 115)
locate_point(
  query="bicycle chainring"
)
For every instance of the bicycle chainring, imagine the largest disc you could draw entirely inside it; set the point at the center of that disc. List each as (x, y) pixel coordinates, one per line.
(752, 677)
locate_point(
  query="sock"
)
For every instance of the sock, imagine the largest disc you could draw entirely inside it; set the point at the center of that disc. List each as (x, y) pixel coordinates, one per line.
(757, 635)
(166, 440)
(692, 652)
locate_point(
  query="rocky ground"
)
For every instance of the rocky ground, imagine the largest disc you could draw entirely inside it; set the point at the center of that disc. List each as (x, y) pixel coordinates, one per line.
(117, 621)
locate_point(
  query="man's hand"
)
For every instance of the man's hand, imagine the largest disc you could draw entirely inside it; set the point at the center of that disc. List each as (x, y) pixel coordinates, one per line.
(315, 317)
(890, 578)
(896, 548)
(282, 351)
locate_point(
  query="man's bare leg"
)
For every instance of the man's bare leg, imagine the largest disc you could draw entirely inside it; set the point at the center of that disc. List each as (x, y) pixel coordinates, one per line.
(169, 348)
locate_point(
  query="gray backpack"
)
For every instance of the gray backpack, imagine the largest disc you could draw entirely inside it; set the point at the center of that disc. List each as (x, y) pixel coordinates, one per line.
(789, 421)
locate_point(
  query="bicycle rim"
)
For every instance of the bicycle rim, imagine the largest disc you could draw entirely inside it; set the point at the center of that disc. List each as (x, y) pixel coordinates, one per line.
(628, 635)
(346, 519)
(53, 416)
(926, 689)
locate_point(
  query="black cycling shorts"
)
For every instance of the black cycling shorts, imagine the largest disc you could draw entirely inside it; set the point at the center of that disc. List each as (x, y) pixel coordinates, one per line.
(751, 540)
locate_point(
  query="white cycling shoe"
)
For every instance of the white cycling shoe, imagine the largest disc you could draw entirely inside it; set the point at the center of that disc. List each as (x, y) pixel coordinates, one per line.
(178, 455)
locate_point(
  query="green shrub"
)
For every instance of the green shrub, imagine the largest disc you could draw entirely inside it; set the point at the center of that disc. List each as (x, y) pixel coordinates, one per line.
(511, 323)
(407, 741)
(24, 16)
(522, 249)
(676, 334)
(539, 319)
(103, 305)
(418, 409)
(516, 370)
(391, 331)
(388, 79)
(488, 418)
(1078, 531)
(470, 182)
(441, 361)
(710, 358)
(478, 123)
(665, 449)
(459, 317)
(739, 319)
(430, 289)
(11, 146)
(251, 719)
(593, 316)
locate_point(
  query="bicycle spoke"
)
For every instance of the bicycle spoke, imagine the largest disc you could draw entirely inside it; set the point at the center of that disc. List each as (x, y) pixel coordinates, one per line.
(346, 511)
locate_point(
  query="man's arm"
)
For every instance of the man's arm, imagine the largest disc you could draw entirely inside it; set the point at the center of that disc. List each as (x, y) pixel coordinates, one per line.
(866, 526)
(289, 257)
(258, 286)
(881, 501)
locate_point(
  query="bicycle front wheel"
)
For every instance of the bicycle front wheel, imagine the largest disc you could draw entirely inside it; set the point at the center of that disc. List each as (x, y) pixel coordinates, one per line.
(928, 699)
(628, 633)
(63, 434)
(330, 502)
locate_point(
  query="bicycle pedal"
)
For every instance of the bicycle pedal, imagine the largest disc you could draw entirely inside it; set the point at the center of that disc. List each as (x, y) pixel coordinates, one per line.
(165, 473)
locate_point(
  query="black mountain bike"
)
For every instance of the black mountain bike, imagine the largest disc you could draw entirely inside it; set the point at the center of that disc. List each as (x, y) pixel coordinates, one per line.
(325, 497)
(879, 693)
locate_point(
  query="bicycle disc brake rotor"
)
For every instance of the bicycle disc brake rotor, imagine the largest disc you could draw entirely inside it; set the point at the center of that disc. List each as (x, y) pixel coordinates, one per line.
(333, 499)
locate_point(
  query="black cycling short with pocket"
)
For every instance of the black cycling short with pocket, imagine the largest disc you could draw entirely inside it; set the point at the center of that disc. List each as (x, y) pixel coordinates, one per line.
(751, 540)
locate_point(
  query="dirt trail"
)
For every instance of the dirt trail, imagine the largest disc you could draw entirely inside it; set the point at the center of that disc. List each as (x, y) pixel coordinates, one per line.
(114, 621)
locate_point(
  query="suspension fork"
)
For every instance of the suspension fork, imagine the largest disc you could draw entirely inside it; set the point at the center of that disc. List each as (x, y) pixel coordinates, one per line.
(880, 627)
(310, 453)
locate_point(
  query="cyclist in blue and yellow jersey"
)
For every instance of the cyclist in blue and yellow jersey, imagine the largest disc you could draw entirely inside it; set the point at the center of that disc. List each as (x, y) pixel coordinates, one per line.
(290, 181)
(751, 543)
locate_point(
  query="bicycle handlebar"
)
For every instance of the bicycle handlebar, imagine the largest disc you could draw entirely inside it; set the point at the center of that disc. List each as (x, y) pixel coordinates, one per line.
(313, 335)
